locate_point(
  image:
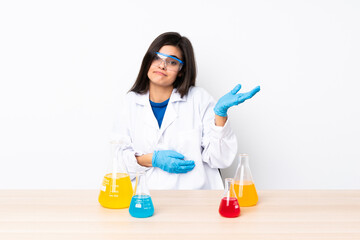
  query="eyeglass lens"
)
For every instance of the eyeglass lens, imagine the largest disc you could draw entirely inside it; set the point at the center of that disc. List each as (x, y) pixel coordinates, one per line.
(169, 63)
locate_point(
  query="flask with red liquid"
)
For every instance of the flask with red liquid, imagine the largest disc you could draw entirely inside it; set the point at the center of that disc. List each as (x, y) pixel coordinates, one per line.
(229, 206)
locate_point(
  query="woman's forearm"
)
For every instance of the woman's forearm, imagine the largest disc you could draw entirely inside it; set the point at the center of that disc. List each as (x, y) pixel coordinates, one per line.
(145, 160)
(220, 121)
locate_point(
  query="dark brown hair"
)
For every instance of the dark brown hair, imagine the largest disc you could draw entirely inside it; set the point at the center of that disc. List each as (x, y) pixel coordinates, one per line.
(187, 75)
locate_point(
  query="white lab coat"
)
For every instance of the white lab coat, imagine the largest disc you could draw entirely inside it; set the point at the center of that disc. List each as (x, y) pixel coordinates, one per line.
(188, 128)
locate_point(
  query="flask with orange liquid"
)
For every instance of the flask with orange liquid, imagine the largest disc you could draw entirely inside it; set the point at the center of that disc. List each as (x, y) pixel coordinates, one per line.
(243, 183)
(116, 189)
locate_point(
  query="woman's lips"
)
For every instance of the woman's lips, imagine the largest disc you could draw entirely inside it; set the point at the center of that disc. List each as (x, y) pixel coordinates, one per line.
(163, 74)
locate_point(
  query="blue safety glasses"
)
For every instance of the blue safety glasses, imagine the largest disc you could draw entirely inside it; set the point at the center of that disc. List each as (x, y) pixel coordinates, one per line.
(171, 63)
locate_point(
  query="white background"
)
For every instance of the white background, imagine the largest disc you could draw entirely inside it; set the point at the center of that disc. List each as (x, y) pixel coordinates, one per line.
(65, 64)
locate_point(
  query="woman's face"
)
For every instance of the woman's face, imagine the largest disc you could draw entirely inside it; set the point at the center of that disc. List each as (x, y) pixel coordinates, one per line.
(161, 75)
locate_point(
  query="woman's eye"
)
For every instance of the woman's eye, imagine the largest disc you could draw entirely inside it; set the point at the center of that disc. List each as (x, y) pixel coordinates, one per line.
(173, 63)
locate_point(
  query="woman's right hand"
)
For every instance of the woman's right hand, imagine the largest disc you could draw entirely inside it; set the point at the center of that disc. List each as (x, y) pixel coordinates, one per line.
(171, 161)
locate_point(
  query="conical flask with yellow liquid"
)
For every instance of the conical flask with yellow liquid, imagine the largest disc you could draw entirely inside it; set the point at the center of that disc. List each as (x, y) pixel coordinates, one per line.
(243, 183)
(116, 190)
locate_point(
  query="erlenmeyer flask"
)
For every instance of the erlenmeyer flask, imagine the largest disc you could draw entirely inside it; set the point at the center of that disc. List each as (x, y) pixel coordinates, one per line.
(116, 190)
(229, 206)
(243, 183)
(141, 205)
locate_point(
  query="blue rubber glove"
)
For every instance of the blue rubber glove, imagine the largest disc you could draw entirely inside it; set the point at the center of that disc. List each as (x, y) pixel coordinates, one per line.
(171, 161)
(231, 99)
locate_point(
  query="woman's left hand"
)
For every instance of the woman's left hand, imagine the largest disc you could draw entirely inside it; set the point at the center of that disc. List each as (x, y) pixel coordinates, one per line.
(233, 98)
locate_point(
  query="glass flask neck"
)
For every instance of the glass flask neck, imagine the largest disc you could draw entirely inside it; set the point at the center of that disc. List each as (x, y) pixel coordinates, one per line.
(244, 160)
(229, 188)
(140, 185)
(116, 164)
(243, 173)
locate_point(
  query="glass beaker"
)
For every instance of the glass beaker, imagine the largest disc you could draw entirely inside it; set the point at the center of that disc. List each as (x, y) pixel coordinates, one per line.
(141, 205)
(229, 206)
(116, 190)
(243, 183)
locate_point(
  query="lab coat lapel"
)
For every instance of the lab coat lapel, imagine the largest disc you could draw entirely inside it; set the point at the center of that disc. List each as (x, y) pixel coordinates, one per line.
(169, 117)
(171, 113)
(147, 115)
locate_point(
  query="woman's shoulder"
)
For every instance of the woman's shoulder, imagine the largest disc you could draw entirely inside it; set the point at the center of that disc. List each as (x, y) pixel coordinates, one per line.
(132, 96)
(130, 99)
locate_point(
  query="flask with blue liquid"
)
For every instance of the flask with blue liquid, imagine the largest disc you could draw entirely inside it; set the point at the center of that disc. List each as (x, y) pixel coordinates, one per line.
(141, 205)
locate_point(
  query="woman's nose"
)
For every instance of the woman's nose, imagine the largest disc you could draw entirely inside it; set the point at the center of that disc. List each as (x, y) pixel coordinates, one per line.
(162, 65)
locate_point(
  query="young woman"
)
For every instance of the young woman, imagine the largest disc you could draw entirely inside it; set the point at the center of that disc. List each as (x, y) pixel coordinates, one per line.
(172, 129)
